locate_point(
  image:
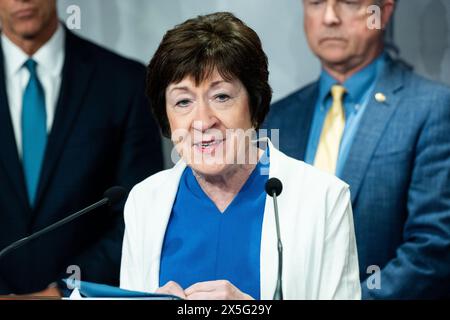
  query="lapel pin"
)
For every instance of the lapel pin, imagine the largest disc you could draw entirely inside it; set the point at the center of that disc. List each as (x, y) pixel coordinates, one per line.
(380, 97)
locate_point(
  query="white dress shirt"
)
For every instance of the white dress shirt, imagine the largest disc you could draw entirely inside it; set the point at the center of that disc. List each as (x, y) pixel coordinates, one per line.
(50, 60)
(320, 260)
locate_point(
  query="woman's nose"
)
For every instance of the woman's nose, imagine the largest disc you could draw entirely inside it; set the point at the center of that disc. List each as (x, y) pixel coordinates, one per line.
(205, 118)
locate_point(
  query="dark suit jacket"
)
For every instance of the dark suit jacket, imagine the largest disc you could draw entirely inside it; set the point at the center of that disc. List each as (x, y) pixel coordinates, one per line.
(103, 135)
(398, 170)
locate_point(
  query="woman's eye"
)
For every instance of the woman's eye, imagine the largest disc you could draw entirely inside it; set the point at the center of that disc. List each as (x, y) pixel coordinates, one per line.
(222, 97)
(183, 103)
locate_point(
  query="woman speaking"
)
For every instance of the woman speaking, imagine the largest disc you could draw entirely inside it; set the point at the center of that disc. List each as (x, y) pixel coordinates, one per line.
(206, 228)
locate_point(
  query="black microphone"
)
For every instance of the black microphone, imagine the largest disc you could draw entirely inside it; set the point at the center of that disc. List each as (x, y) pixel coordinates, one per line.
(273, 189)
(110, 197)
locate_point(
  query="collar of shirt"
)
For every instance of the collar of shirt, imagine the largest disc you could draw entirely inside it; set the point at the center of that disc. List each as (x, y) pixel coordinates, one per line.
(49, 58)
(356, 86)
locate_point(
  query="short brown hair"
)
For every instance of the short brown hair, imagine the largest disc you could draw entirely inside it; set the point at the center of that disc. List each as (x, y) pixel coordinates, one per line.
(197, 47)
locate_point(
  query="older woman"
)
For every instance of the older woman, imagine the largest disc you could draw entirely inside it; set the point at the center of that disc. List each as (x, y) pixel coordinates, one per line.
(205, 229)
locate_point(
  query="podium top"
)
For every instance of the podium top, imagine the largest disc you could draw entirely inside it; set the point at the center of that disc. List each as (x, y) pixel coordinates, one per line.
(97, 291)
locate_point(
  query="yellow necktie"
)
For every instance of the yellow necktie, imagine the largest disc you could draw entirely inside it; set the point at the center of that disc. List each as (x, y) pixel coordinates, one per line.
(330, 138)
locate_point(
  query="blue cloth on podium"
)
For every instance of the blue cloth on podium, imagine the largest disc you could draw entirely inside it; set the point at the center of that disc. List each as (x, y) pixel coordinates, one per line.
(97, 290)
(204, 244)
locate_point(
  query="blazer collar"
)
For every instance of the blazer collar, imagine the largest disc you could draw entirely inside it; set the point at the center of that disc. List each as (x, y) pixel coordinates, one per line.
(307, 99)
(9, 157)
(373, 124)
(76, 74)
(269, 250)
(163, 200)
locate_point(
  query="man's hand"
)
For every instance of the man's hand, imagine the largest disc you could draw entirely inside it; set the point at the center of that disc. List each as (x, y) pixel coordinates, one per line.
(215, 290)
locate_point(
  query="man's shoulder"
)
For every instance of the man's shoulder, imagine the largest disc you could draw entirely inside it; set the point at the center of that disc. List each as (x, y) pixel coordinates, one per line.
(104, 57)
(292, 105)
(417, 85)
(427, 87)
(305, 93)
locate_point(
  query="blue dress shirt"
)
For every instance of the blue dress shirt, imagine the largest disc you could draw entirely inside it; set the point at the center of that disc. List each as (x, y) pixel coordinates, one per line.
(359, 88)
(203, 244)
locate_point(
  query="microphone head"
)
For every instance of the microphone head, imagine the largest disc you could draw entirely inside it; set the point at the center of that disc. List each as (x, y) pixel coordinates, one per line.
(115, 194)
(274, 185)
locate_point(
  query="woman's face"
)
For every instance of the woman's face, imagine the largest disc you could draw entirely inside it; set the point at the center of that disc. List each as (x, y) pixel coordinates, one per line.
(209, 122)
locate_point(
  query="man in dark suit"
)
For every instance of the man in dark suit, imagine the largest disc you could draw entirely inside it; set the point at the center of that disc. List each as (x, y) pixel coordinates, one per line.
(385, 131)
(74, 121)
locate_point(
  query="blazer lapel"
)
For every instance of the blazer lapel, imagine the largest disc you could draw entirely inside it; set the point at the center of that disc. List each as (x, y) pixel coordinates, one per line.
(269, 252)
(9, 157)
(373, 124)
(76, 74)
(157, 223)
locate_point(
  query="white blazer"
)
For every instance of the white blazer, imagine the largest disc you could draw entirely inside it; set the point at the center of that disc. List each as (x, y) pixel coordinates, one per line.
(319, 249)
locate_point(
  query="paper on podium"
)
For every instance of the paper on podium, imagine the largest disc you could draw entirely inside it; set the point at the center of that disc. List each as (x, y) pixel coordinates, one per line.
(96, 291)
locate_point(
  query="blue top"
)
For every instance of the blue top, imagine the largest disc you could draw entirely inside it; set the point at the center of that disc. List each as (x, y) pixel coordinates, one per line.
(359, 88)
(203, 244)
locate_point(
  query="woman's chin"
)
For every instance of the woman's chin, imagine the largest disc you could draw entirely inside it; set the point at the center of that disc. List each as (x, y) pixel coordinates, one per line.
(206, 169)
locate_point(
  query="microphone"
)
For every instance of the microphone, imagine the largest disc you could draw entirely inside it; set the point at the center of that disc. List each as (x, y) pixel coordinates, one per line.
(110, 197)
(273, 189)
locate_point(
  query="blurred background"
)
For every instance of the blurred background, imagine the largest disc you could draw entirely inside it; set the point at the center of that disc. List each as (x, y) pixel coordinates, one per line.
(134, 28)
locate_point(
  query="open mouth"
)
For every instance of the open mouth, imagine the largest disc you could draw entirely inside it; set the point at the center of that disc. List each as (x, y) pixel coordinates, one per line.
(207, 146)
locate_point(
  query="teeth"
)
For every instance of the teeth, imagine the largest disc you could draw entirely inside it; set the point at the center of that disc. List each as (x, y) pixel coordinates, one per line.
(207, 144)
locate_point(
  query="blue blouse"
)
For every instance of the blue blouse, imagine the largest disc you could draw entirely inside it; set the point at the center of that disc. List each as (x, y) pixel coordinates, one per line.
(203, 244)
